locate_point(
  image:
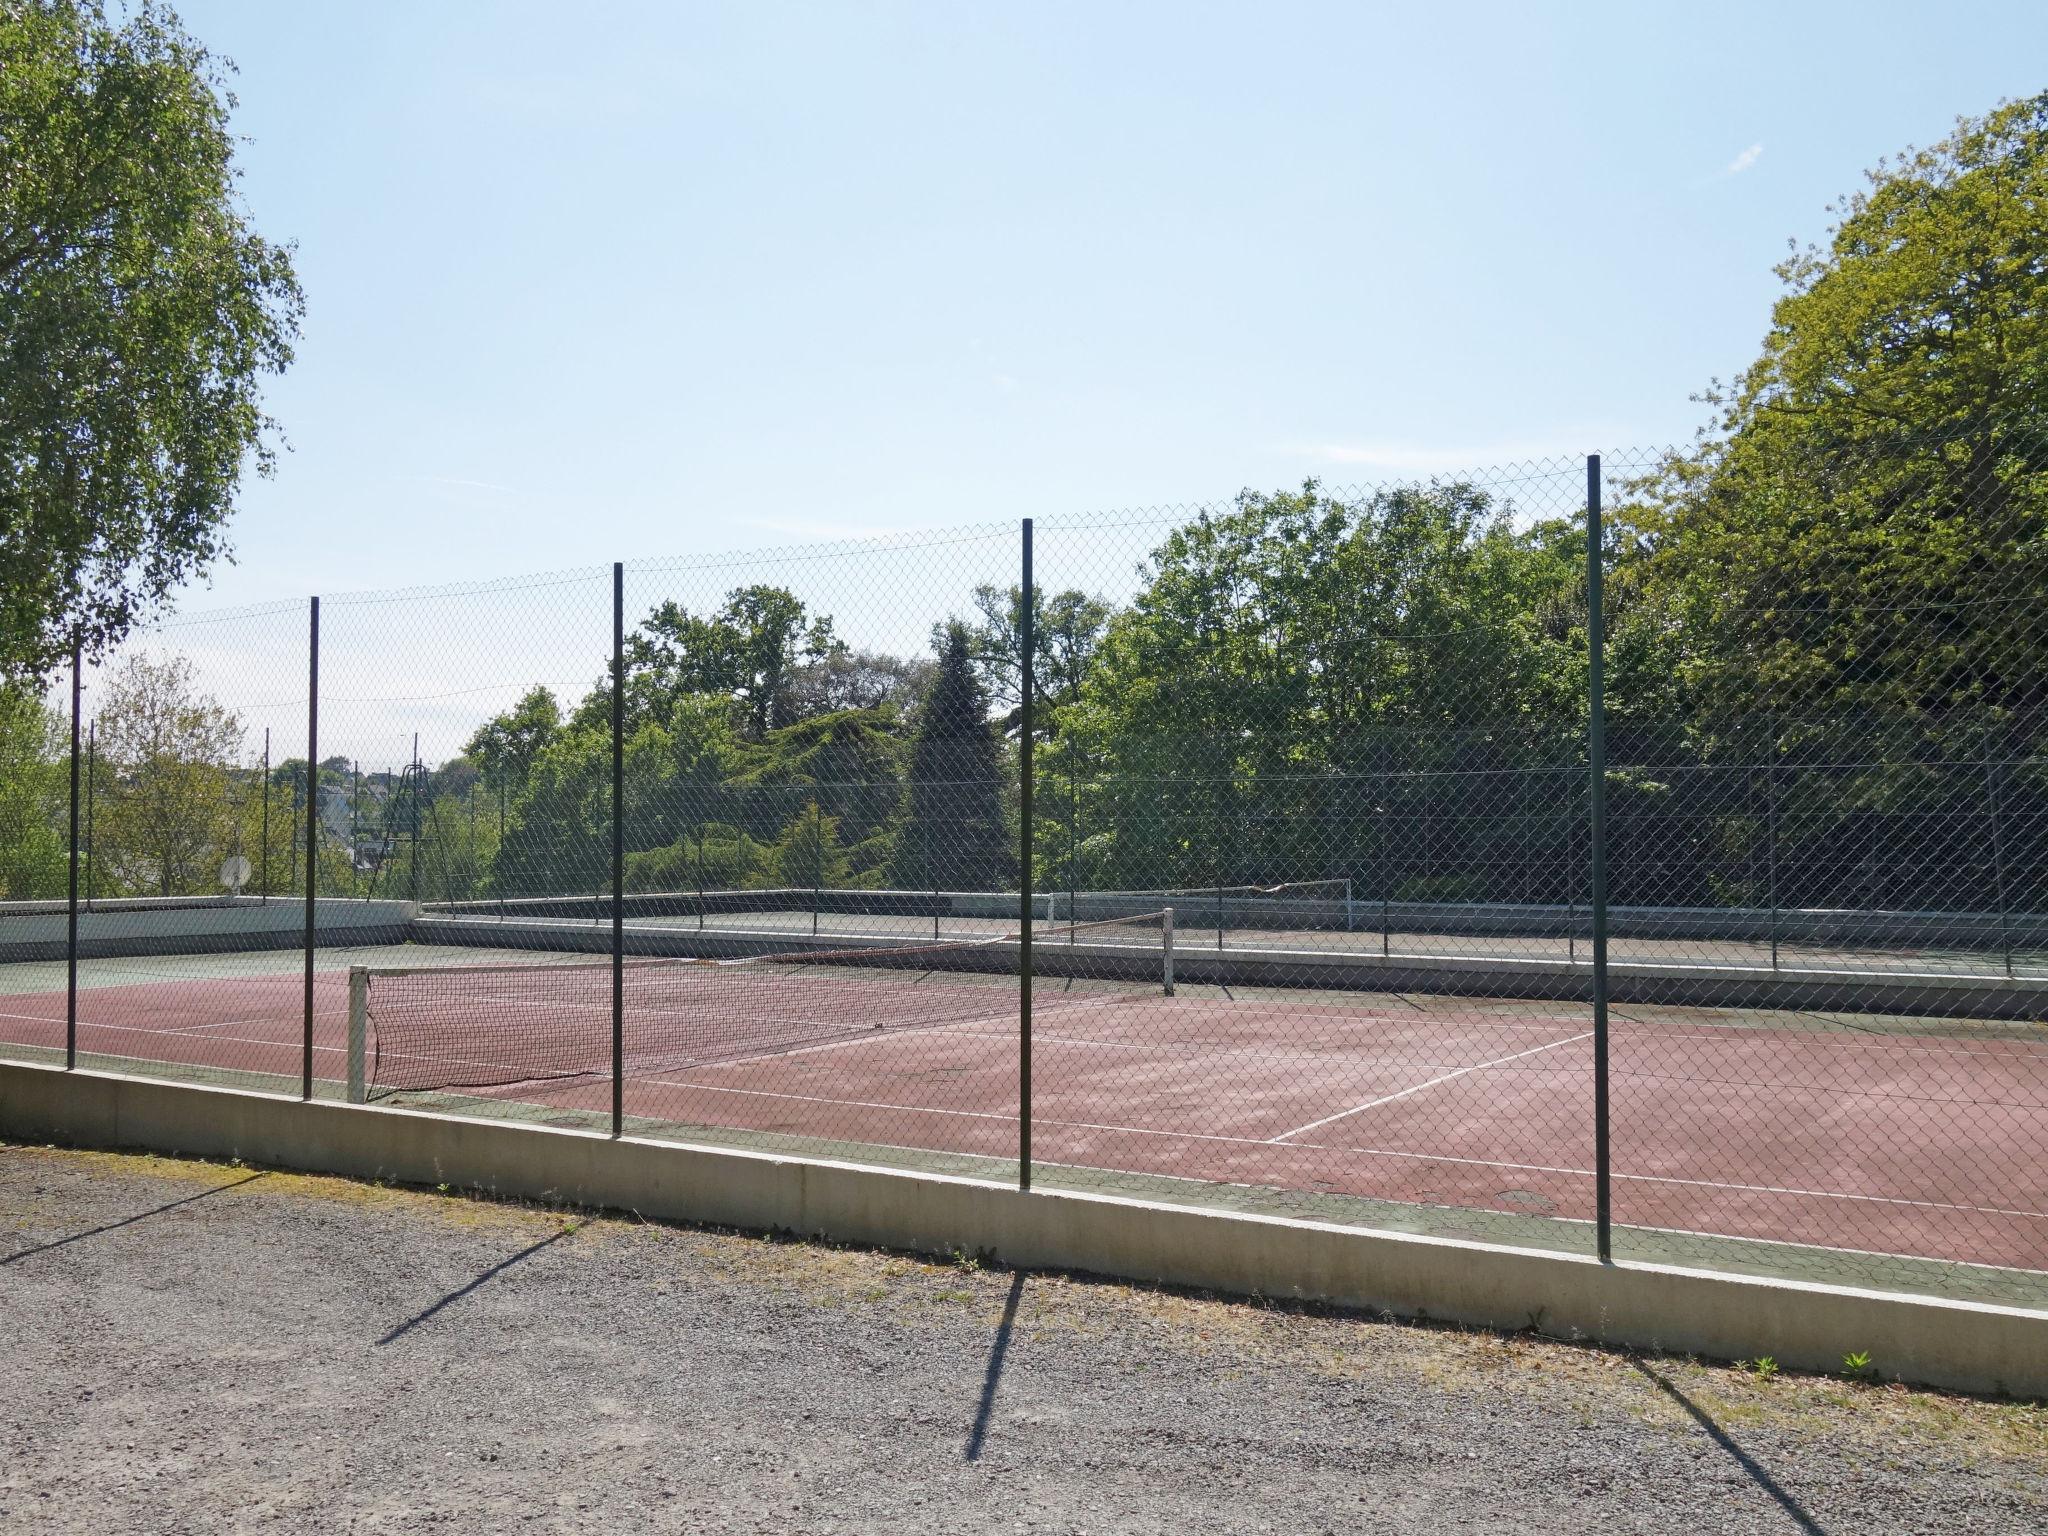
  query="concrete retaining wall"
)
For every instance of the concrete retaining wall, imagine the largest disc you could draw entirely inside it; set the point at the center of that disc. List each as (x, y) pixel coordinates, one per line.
(1961, 1345)
(183, 926)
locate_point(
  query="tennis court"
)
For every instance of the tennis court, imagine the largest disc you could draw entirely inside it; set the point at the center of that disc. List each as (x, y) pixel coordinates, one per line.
(1925, 1139)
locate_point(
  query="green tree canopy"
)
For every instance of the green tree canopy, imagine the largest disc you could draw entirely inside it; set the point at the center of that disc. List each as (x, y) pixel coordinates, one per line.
(34, 798)
(139, 313)
(1862, 531)
(176, 799)
(749, 650)
(955, 835)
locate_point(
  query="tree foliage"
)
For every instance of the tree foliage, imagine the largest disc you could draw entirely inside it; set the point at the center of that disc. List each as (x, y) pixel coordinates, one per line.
(139, 314)
(1853, 533)
(174, 808)
(955, 833)
(34, 805)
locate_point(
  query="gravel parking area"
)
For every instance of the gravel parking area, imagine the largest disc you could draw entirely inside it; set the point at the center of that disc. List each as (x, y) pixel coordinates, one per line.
(197, 1347)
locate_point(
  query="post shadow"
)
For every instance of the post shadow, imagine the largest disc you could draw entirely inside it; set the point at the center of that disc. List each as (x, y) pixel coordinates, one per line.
(128, 1221)
(463, 1290)
(1748, 1463)
(998, 1353)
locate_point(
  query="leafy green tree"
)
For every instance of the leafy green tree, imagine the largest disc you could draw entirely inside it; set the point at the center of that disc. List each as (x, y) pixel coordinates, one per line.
(956, 831)
(1068, 628)
(558, 837)
(674, 769)
(808, 854)
(170, 815)
(1289, 660)
(844, 678)
(139, 313)
(850, 761)
(34, 798)
(1863, 528)
(504, 749)
(750, 650)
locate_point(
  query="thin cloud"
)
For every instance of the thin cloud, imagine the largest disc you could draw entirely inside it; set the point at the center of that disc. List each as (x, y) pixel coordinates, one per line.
(1743, 161)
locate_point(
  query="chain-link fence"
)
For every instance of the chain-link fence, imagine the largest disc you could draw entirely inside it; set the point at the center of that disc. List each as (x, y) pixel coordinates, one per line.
(1369, 855)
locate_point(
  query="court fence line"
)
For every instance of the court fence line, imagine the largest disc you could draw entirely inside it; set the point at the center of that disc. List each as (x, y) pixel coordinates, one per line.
(1439, 773)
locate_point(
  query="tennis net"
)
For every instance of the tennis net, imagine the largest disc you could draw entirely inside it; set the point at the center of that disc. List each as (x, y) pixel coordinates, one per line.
(1323, 903)
(429, 1028)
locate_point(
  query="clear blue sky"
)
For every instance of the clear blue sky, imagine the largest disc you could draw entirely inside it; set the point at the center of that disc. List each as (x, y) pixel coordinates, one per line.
(636, 280)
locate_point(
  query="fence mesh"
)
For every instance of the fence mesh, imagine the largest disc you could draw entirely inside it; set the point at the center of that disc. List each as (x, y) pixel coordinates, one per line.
(1312, 912)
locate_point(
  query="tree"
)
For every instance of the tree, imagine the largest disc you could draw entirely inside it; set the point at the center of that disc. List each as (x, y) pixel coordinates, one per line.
(748, 651)
(1068, 627)
(1293, 661)
(139, 313)
(168, 820)
(34, 798)
(505, 748)
(845, 678)
(808, 852)
(1862, 528)
(558, 838)
(955, 834)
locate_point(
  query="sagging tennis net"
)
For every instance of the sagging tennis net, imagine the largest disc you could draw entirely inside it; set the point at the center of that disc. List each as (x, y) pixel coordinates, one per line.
(431, 1028)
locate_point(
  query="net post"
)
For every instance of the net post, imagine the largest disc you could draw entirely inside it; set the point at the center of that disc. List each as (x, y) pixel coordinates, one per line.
(263, 872)
(1596, 768)
(312, 838)
(71, 901)
(1166, 949)
(618, 847)
(1027, 726)
(358, 1032)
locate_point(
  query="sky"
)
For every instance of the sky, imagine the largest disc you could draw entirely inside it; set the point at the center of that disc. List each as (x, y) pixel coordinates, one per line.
(651, 280)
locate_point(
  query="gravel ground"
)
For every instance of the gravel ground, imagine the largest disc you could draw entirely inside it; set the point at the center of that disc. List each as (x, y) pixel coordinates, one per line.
(198, 1347)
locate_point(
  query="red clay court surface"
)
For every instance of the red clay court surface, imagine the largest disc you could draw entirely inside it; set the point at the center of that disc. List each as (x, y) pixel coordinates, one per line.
(1924, 1144)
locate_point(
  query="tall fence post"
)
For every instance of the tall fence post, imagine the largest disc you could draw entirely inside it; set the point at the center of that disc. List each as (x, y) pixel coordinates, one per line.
(618, 848)
(71, 903)
(1027, 646)
(1596, 768)
(312, 837)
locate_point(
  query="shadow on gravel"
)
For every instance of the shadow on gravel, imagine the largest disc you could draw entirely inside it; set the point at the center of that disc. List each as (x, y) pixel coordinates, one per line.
(461, 1291)
(1749, 1464)
(127, 1221)
(998, 1352)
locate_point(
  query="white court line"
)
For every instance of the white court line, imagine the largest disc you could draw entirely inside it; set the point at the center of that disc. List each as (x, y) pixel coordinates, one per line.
(1313, 1146)
(145, 1029)
(1478, 1066)
(961, 1028)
